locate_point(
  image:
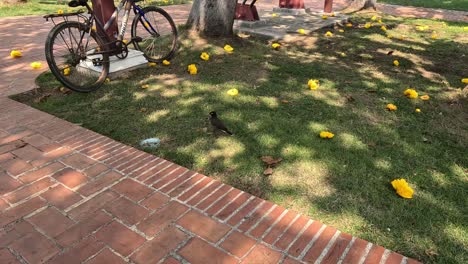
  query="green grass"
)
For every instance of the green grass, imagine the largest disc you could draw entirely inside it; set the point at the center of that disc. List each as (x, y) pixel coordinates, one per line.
(444, 4)
(343, 182)
(42, 7)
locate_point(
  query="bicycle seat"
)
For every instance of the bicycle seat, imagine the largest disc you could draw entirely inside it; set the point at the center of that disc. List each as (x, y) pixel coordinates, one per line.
(75, 3)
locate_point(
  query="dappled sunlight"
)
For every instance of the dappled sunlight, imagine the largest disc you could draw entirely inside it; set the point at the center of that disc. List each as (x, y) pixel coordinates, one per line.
(294, 152)
(383, 164)
(226, 148)
(155, 116)
(349, 141)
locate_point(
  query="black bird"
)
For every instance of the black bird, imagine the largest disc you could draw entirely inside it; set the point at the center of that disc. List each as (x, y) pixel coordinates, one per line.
(217, 123)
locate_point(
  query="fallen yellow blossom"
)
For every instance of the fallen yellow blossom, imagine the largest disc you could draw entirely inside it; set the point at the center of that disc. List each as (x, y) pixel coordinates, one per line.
(418, 110)
(434, 35)
(301, 31)
(341, 30)
(411, 93)
(367, 25)
(274, 15)
(384, 28)
(205, 56)
(396, 63)
(228, 48)
(60, 11)
(16, 54)
(233, 92)
(192, 69)
(349, 24)
(145, 86)
(324, 17)
(464, 80)
(391, 107)
(152, 64)
(374, 18)
(329, 34)
(66, 71)
(36, 65)
(166, 62)
(313, 84)
(326, 134)
(402, 188)
(276, 45)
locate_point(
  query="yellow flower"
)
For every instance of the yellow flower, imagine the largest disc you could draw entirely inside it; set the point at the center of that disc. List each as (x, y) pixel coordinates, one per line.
(349, 24)
(313, 84)
(16, 54)
(326, 134)
(324, 17)
(384, 28)
(411, 93)
(152, 64)
(434, 35)
(402, 188)
(396, 63)
(465, 28)
(276, 45)
(192, 69)
(301, 31)
(341, 30)
(342, 54)
(464, 80)
(60, 11)
(205, 56)
(367, 25)
(166, 62)
(329, 34)
(374, 18)
(389, 36)
(425, 97)
(228, 48)
(66, 71)
(380, 21)
(233, 92)
(274, 15)
(422, 28)
(392, 107)
(107, 80)
(145, 86)
(418, 110)
(36, 65)
(332, 14)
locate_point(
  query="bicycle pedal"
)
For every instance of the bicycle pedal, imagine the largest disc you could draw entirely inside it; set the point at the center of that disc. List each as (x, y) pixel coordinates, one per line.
(97, 62)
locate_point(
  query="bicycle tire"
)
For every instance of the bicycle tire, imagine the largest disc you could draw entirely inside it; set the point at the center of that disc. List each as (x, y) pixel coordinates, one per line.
(73, 78)
(139, 20)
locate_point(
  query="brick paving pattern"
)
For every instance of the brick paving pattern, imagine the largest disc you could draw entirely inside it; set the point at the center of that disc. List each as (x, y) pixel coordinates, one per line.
(70, 195)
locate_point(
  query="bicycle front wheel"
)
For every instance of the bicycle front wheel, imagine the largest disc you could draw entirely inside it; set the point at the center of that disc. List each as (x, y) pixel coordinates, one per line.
(158, 34)
(75, 57)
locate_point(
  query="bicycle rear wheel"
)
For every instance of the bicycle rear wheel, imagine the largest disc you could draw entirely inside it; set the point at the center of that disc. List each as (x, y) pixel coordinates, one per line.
(158, 34)
(74, 58)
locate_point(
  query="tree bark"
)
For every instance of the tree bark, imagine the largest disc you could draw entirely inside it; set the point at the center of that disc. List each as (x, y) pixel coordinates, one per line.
(212, 17)
(357, 5)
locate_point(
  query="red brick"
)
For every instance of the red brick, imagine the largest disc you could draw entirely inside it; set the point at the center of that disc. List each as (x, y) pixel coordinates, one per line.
(7, 258)
(122, 157)
(292, 232)
(37, 140)
(110, 152)
(8, 147)
(83, 228)
(279, 227)
(132, 189)
(79, 140)
(229, 197)
(96, 145)
(15, 137)
(16, 166)
(149, 173)
(233, 206)
(235, 219)
(319, 245)
(337, 249)
(70, 177)
(105, 257)
(15, 232)
(203, 226)
(27, 191)
(394, 258)
(155, 249)
(136, 164)
(171, 260)
(198, 251)
(262, 254)
(120, 238)
(355, 252)
(35, 248)
(375, 255)
(99, 183)
(162, 218)
(103, 148)
(61, 197)
(177, 181)
(92, 205)
(306, 237)
(289, 260)
(197, 187)
(27, 153)
(155, 201)
(238, 244)
(51, 156)
(186, 185)
(213, 197)
(266, 222)
(51, 221)
(127, 211)
(78, 161)
(155, 161)
(156, 175)
(171, 176)
(42, 172)
(203, 194)
(95, 170)
(6, 157)
(412, 261)
(256, 216)
(80, 252)
(3, 205)
(7, 184)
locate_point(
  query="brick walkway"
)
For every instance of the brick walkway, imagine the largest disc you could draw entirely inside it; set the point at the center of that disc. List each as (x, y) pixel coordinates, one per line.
(70, 195)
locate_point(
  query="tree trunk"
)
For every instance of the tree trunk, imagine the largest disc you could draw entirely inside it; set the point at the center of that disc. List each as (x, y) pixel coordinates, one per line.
(212, 17)
(357, 5)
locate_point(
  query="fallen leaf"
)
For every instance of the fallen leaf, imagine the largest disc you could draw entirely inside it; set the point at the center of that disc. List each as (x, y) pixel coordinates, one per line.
(268, 172)
(41, 98)
(270, 161)
(390, 53)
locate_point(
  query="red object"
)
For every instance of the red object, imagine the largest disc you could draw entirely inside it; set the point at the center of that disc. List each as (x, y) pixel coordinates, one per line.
(328, 6)
(247, 12)
(295, 4)
(103, 10)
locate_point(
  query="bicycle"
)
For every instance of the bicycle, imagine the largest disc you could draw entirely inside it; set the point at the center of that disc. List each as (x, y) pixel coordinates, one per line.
(79, 57)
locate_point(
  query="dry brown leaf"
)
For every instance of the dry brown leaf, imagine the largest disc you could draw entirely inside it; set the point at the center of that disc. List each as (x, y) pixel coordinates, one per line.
(65, 90)
(285, 101)
(41, 98)
(270, 161)
(268, 172)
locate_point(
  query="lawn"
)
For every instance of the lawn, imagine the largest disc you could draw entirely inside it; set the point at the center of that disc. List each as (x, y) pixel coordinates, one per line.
(343, 181)
(42, 7)
(444, 4)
